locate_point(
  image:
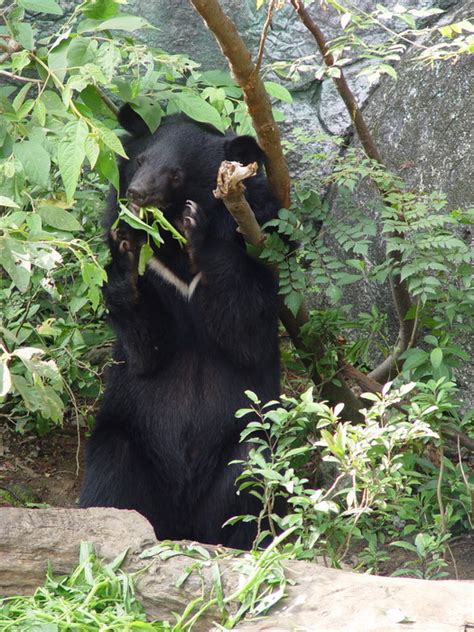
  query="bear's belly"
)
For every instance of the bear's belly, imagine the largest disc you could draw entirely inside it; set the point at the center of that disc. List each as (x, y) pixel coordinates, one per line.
(182, 415)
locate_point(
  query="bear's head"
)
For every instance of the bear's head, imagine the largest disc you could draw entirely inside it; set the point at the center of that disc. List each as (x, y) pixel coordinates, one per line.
(179, 161)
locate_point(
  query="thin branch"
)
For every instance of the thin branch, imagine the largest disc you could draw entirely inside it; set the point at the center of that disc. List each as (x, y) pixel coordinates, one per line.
(263, 36)
(255, 95)
(108, 102)
(12, 77)
(231, 191)
(341, 84)
(9, 46)
(401, 296)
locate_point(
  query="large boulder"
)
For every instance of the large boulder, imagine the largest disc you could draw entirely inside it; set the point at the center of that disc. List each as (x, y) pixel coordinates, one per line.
(317, 598)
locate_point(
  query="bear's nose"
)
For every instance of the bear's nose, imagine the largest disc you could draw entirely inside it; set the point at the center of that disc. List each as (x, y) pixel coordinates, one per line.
(135, 195)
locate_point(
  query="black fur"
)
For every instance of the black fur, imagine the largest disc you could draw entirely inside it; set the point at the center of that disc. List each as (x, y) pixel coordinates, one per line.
(166, 429)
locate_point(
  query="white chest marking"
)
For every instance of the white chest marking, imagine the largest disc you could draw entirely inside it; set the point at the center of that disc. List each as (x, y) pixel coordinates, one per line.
(170, 277)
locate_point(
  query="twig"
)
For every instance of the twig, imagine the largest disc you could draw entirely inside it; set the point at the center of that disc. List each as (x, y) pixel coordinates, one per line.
(9, 46)
(108, 102)
(13, 77)
(263, 36)
(231, 191)
(78, 430)
(342, 86)
(439, 494)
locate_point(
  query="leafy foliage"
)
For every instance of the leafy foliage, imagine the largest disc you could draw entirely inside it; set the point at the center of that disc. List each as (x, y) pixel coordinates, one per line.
(432, 258)
(398, 26)
(98, 596)
(380, 486)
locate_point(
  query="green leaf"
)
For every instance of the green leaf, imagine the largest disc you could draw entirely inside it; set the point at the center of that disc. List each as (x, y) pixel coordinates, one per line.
(78, 52)
(14, 260)
(57, 60)
(5, 379)
(71, 154)
(35, 161)
(24, 35)
(41, 6)
(111, 139)
(198, 109)
(106, 166)
(404, 545)
(101, 9)
(92, 149)
(8, 202)
(123, 22)
(278, 92)
(40, 112)
(149, 110)
(293, 302)
(146, 253)
(20, 97)
(436, 357)
(59, 218)
(387, 69)
(414, 358)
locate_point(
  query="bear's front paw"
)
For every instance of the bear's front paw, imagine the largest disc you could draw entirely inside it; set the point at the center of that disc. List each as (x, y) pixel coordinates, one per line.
(194, 228)
(125, 248)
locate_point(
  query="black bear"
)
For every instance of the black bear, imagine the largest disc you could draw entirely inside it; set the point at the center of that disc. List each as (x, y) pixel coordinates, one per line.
(196, 330)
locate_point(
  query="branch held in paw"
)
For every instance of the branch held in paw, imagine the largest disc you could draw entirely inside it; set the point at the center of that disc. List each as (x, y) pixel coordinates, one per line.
(230, 189)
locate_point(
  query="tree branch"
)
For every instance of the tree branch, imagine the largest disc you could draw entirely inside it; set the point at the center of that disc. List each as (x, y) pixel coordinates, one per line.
(255, 95)
(108, 102)
(9, 46)
(263, 37)
(231, 191)
(401, 296)
(341, 84)
(260, 110)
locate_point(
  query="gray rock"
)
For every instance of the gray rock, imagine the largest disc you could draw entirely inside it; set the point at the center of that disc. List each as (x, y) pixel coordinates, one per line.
(318, 598)
(423, 126)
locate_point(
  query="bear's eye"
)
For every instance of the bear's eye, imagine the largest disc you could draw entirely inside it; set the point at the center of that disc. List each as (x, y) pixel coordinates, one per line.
(140, 160)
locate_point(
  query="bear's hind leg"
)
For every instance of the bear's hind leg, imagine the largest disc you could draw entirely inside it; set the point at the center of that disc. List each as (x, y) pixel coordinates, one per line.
(118, 476)
(222, 502)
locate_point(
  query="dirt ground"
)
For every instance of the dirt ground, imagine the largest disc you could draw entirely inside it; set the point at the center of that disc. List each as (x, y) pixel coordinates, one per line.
(41, 471)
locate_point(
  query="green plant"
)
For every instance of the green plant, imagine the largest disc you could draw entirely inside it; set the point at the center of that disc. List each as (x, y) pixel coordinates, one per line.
(373, 554)
(377, 487)
(430, 551)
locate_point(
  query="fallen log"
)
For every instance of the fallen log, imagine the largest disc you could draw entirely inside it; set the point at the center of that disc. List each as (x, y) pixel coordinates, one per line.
(320, 599)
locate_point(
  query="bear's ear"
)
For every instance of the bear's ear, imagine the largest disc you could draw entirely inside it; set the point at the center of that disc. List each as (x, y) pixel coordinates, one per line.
(244, 149)
(131, 121)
